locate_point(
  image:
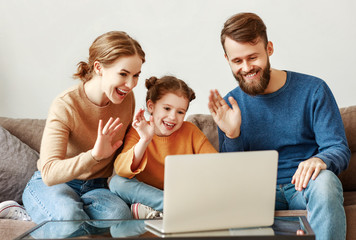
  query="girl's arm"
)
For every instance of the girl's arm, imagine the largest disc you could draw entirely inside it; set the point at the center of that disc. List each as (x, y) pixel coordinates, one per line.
(146, 132)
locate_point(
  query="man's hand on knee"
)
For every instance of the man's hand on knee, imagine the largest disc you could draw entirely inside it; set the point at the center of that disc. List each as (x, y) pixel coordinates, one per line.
(307, 169)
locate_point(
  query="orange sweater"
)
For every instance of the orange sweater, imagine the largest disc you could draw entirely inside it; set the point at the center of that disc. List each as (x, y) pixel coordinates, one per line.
(70, 133)
(186, 140)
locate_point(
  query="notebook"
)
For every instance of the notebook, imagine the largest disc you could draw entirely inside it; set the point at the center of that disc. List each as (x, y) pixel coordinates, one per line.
(204, 192)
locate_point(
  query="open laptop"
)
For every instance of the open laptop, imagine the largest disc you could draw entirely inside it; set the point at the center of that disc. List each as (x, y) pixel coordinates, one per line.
(214, 191)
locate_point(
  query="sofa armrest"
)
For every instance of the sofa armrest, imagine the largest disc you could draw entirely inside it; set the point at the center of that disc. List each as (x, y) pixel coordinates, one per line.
(348, 177)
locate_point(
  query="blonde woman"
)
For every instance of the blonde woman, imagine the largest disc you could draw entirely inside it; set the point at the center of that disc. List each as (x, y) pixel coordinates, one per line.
(85, 126)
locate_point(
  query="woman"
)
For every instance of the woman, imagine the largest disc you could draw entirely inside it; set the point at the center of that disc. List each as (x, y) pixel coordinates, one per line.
(85, 126)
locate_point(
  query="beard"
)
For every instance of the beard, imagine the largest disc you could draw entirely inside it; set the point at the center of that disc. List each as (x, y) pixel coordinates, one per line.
(255, 88)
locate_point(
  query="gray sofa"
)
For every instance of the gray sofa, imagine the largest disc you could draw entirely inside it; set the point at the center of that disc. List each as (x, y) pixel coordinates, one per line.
(20, 143)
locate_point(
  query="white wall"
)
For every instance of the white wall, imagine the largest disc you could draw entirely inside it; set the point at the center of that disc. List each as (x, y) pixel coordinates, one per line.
(41, 41)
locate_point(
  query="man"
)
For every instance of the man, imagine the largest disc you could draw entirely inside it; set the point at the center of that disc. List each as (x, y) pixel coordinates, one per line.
(293, 113)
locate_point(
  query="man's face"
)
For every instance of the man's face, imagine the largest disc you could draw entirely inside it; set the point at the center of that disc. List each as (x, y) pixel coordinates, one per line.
(249, 64)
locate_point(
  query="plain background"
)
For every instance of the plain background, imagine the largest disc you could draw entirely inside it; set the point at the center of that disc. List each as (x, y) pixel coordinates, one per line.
(41, 42)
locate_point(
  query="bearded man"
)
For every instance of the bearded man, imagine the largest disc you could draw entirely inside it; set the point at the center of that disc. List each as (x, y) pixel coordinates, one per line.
(293, 113)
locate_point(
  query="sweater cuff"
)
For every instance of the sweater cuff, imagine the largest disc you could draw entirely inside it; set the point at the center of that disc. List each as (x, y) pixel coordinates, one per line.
(142, 165)
(89, 159)
(330, 165)
(232, 144)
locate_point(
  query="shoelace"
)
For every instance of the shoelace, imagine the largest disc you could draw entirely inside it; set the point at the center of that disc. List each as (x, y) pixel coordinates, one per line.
(19, 215)
(154, 214)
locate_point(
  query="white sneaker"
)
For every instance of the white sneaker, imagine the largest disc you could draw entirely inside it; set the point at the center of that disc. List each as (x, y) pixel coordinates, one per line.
(12, 210)
(140, 211)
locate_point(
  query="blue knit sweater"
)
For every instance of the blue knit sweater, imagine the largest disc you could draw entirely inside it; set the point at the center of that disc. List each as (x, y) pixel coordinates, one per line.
(301, 120)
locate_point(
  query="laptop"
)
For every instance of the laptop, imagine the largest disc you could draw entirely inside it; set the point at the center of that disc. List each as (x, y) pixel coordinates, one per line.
(214, 191)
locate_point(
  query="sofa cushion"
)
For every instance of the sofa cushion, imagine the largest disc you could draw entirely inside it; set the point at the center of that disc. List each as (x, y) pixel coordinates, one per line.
(27, 130)
(17, 165)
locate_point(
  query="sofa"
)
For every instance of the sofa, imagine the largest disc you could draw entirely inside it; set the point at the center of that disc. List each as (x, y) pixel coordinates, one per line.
(20, 144)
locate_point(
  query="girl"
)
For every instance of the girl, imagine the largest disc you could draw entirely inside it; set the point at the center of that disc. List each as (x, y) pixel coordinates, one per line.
(77, 148)
(140, 166)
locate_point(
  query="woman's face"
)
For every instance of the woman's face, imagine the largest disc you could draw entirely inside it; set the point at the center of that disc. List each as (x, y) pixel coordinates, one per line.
(118, 79)
(168, 113)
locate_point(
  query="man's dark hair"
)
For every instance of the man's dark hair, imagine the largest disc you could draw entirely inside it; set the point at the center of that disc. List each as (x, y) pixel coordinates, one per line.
(245, 28)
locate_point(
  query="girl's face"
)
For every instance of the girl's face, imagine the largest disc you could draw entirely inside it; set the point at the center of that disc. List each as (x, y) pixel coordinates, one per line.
(120, 78)
(168, 113)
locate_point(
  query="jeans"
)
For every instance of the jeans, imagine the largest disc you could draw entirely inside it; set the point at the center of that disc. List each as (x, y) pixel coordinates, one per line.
(75, 200)
(323, 200)
(134, 191)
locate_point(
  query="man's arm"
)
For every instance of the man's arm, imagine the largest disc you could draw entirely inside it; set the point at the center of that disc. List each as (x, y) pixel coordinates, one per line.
(328, 127)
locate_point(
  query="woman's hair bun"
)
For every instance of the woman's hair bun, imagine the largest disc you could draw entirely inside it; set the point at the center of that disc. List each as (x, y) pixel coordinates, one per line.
(83, 71)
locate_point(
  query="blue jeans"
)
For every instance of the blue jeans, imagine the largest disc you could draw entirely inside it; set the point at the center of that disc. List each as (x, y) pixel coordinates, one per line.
(75, 200)
(134, 191)
(323, 199)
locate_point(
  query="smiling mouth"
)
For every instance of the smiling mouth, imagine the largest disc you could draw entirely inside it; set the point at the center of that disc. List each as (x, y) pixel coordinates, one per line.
(121, 92)
(251, 75)
(169, 125)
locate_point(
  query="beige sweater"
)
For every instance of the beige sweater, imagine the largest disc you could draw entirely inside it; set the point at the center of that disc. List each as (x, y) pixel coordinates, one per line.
(70, 133)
